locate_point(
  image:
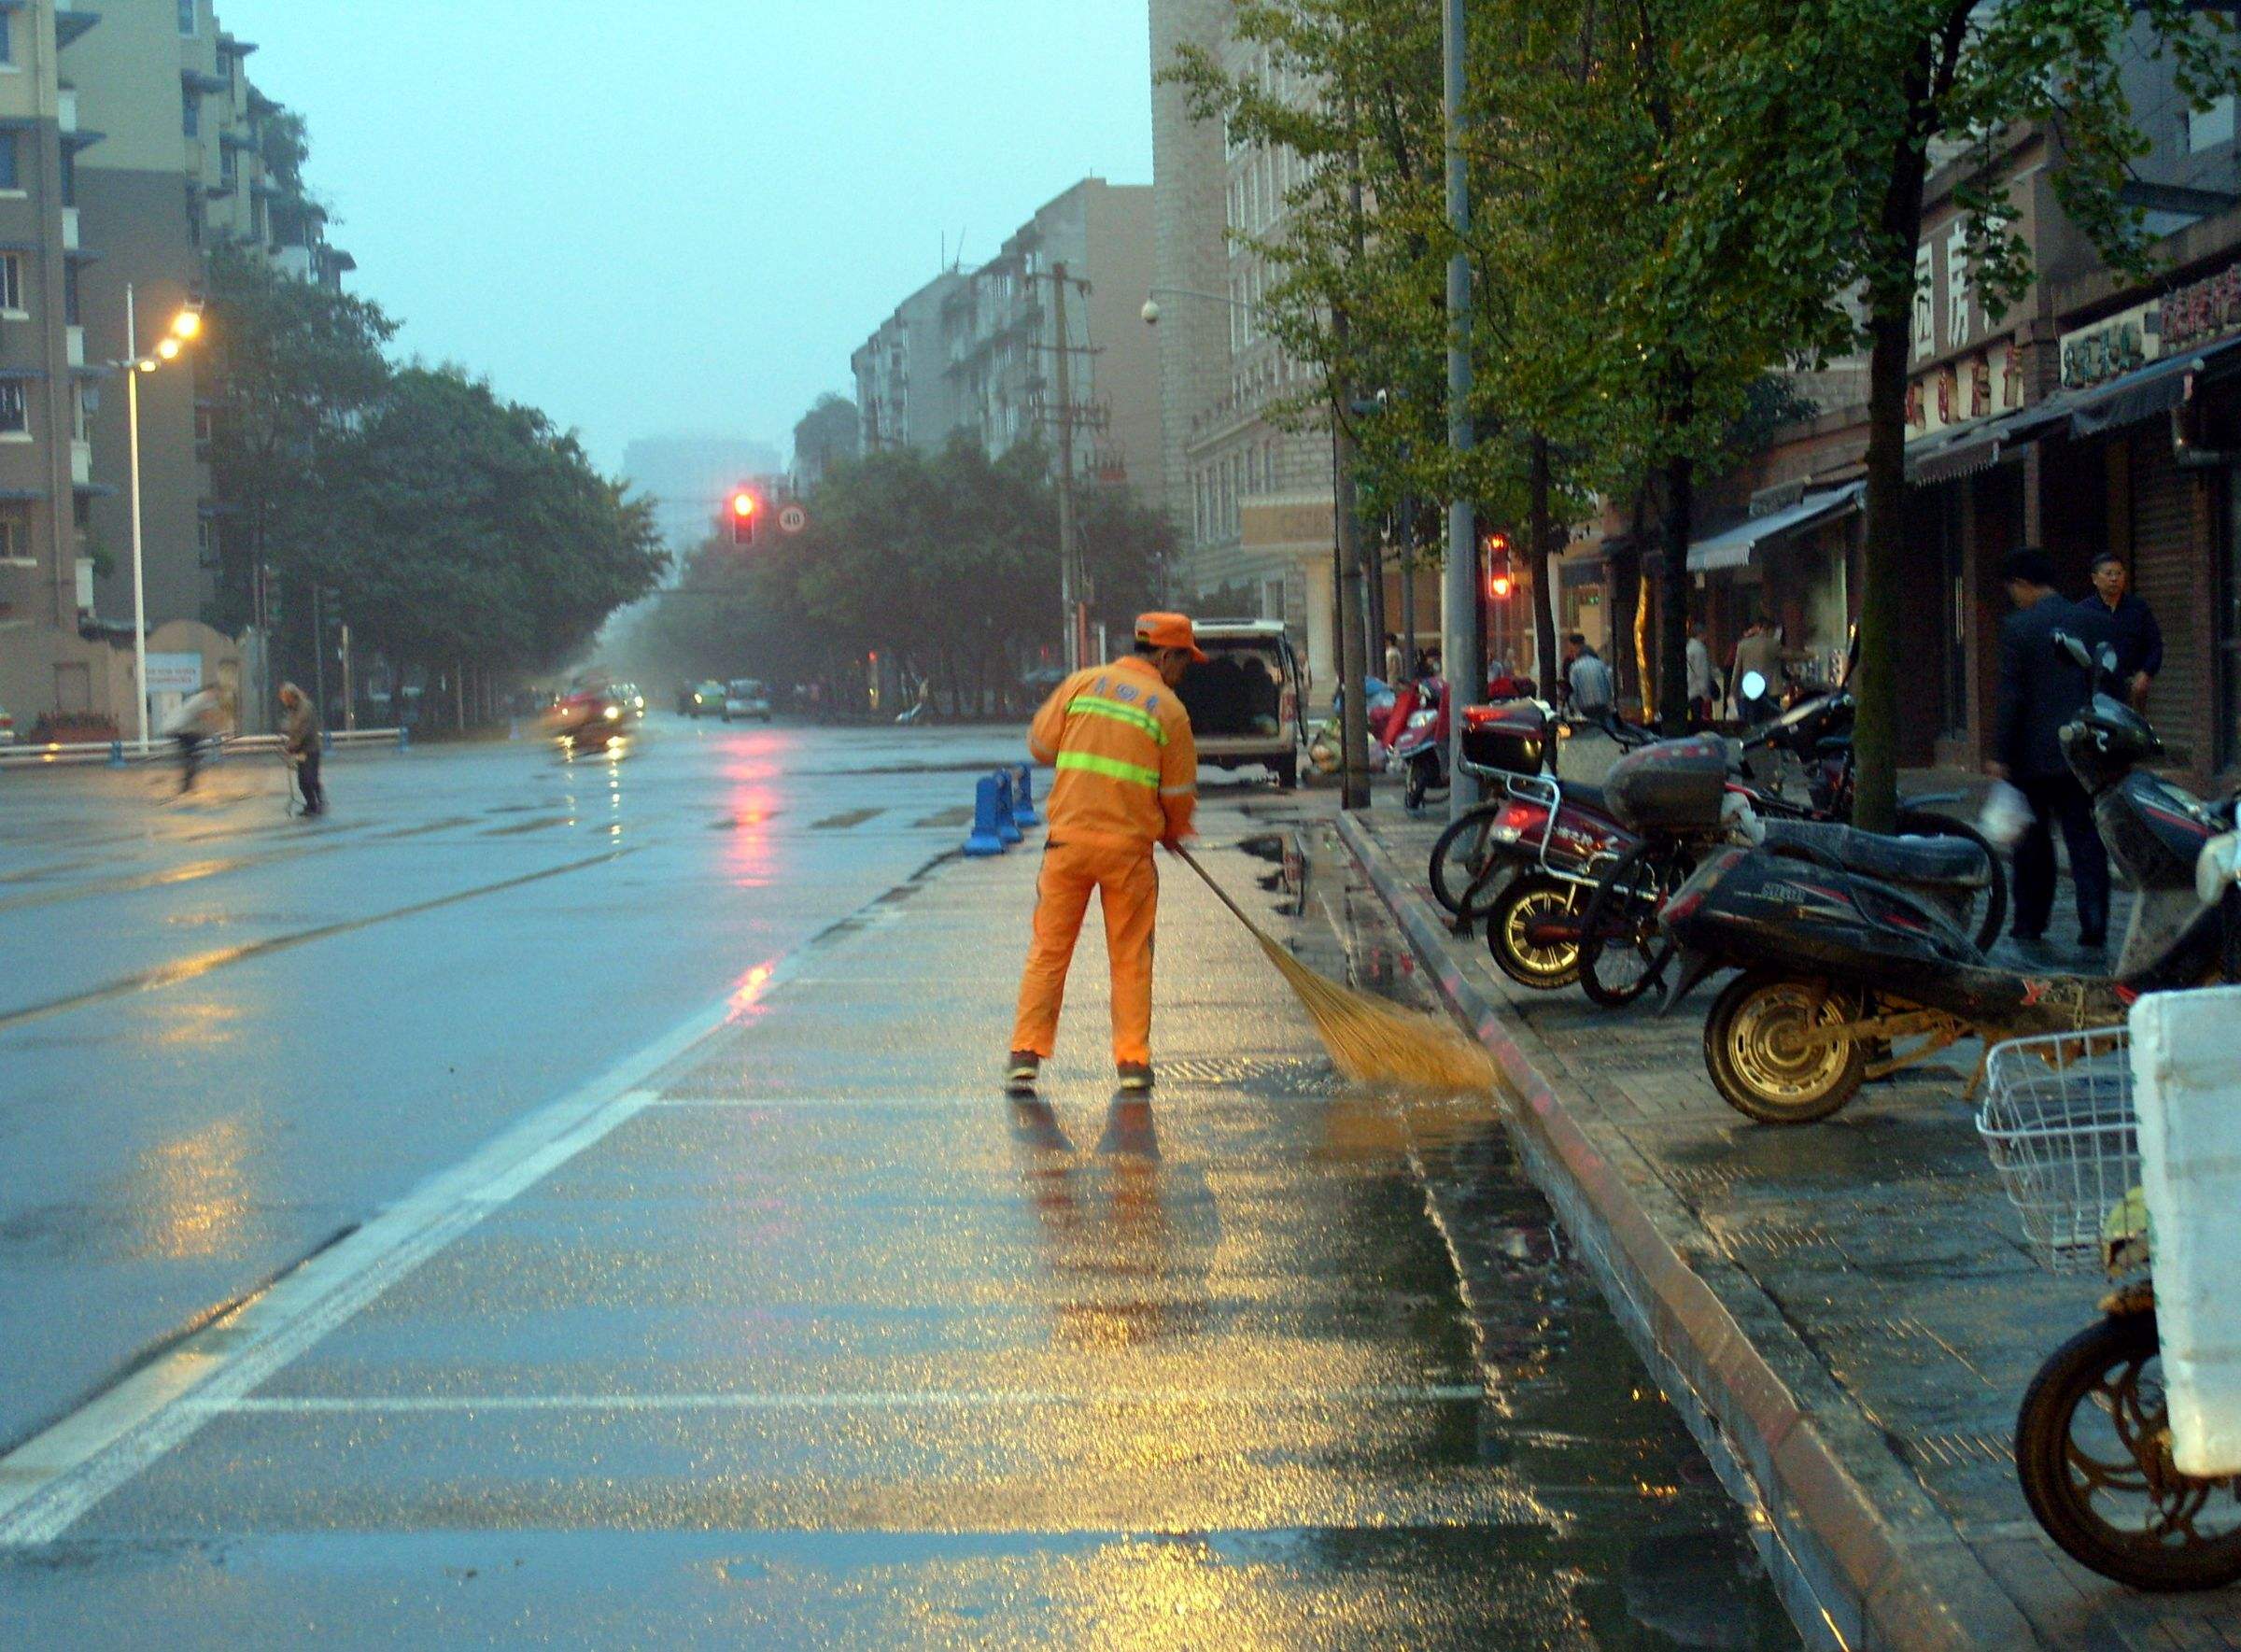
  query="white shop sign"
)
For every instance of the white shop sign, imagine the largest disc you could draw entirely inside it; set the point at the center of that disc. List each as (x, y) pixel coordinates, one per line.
(174, 674)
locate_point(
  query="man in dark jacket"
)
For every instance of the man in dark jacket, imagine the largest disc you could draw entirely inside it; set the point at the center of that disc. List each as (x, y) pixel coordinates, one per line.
(2041, 688)
(2131, 628)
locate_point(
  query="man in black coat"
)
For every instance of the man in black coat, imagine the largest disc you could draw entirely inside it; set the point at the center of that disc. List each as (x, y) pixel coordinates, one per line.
(2132, 627)
(2041, 688)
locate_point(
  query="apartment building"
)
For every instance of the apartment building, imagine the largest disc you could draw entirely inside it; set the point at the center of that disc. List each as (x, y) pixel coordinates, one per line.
(903, 391)
(1001, 337)
(139, 145)
(1252, 505)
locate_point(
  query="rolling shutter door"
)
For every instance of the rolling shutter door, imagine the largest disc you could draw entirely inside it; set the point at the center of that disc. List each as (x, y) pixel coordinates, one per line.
(2172, 575)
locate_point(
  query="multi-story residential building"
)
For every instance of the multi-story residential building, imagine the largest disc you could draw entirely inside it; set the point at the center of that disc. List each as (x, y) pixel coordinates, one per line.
(1001, 339)
(51, 657)
(903, 395)
(1251, 504)
(161, 149)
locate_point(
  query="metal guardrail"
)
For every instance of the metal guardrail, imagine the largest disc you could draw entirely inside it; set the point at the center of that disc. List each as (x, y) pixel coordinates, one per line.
(117, 752)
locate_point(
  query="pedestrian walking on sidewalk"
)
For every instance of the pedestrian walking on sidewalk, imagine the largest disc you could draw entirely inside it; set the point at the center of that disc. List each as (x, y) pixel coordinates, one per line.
(299, 743)
(1127, 780)
(2041, 688)
(202, 718)
(1700, 673)
(1588, 681)
(2132, 627)
(1759, 651)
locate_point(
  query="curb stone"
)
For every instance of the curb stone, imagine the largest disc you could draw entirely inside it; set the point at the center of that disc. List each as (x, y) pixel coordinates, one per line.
(1861, 1557)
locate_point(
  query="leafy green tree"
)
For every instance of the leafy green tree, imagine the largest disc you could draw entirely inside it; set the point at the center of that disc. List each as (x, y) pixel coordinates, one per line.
(290, 367)
(1838, 110)
(470, 530)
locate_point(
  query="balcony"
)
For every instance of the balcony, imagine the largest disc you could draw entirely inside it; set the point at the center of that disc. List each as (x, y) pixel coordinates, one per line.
(74, 338)
(70, 22)
(69, 229)
(65, 109)
(81, 463)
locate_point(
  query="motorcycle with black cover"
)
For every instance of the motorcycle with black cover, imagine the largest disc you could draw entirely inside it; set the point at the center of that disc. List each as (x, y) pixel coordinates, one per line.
(1847, 944)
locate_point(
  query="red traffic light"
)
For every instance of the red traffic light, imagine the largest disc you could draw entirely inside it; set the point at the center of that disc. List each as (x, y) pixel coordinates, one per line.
(1501, 582)
(743, 507)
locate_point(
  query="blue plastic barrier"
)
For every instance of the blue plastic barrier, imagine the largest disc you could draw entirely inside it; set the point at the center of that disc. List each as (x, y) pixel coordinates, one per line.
(326, 739)
(1023, 797)
(116, 753)
(404, 738)
(985, 837)
(1007, 827)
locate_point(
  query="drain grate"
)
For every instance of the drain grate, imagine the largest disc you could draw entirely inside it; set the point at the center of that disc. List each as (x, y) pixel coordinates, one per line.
(1269, 1075)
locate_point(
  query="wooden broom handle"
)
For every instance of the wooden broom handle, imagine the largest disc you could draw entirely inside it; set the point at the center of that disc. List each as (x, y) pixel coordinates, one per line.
(1220, 893)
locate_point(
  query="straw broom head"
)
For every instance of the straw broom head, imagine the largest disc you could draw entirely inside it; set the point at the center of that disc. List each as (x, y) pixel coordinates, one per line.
(1369, 1041)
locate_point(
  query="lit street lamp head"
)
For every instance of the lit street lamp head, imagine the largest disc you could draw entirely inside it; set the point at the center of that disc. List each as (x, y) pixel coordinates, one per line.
(1152, 312)
(147, 364)
(168, 349)
(187, 324)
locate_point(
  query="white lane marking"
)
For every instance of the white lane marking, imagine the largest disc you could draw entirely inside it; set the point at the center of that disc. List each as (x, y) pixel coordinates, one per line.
(845, 1400)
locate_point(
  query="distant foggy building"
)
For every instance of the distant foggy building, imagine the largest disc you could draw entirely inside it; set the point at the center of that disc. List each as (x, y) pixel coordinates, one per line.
(688, 477)
(902, 393)
(825, 436)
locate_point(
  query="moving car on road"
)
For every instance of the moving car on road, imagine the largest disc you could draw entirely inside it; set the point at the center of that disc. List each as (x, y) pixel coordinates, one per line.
(704, 699)
(7, 728)
(745, 698)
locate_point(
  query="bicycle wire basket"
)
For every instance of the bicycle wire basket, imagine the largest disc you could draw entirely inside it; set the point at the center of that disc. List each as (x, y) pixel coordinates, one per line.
(2057, 1120)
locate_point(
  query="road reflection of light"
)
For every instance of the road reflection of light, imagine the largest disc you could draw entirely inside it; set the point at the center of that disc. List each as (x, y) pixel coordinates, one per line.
(747, 852)
(747, 990)
(202, 1025)
(190, 1193)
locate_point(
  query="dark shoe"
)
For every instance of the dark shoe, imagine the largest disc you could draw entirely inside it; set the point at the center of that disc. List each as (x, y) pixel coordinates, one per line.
(1136, 1075)
(2093, 943)
(1020, 1072)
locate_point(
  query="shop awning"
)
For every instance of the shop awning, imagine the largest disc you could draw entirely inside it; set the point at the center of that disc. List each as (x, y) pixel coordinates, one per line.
(2147, 393)
(1733, 547)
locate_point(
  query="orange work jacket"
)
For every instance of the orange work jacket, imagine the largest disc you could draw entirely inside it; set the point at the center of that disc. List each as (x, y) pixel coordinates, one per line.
(1127, 765)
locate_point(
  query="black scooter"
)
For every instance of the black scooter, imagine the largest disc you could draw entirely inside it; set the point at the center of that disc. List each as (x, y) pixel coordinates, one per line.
(1847, 944)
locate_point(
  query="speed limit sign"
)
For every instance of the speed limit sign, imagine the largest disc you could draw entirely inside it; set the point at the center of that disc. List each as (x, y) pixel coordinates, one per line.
(792, 518)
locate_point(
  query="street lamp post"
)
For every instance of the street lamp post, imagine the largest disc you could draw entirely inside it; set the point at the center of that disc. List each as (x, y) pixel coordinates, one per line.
(186, 325)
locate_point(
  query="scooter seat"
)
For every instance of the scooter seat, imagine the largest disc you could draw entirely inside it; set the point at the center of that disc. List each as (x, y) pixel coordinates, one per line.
(1946, 862)
(1586, 796)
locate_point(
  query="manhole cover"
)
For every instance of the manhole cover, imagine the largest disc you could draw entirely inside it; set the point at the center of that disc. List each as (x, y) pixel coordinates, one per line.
(1267, 1075)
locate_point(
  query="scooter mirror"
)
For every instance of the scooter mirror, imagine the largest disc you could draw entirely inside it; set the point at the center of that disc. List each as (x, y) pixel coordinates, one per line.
(2108, 660)
(1754, 685)
(2075, 649)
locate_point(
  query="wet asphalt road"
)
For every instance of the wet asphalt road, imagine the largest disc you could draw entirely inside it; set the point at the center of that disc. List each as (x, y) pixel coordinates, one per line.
(793, 1333)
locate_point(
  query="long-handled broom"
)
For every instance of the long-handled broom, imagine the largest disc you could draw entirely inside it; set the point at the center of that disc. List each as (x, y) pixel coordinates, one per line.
(1371, 1040)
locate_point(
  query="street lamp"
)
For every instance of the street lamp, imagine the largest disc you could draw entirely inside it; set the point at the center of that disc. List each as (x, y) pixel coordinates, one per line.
(186, 325)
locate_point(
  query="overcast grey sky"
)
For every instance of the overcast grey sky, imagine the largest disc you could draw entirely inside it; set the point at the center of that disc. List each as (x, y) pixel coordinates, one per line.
(651, 217)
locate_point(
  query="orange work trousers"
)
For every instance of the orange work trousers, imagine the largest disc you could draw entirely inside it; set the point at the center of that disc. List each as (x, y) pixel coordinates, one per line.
(1128, 888)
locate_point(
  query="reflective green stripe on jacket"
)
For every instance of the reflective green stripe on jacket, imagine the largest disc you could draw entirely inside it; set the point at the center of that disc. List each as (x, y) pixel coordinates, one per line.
(1112, 767)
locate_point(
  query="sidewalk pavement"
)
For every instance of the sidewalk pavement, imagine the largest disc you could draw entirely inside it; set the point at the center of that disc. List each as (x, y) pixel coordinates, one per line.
(1844, 1312)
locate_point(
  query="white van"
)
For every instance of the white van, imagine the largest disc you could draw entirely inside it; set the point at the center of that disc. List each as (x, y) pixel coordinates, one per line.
(1245, 701)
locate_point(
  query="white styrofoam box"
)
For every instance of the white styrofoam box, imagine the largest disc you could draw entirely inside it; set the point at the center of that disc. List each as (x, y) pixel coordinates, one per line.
(2186, 1075)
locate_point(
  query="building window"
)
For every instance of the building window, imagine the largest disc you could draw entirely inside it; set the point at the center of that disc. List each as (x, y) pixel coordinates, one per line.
(67, 165)
(77, 415)
(190, 111)
(14, 409)
(70, 316)
(205, 541)
(11, 281)
(11, 539)
(187, 16)
(8, 37)
(11, 145)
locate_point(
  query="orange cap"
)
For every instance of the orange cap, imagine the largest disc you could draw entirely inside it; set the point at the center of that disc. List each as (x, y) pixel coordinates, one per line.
(1169, 630)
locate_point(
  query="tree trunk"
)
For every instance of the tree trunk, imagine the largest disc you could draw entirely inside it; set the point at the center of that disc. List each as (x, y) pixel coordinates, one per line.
(1544, 567)
(1672, 606)
(1875, 683)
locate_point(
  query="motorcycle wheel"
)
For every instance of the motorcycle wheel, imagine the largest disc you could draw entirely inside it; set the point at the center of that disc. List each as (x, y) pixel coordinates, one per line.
(1623, 953)
(1529, 900)
(1922, 823)
(2093, 1449)
(1412, 787)
(1752, 1053)
(1464, 864)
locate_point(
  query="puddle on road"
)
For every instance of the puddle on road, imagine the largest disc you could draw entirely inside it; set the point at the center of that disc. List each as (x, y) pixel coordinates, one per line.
(1641, 1546)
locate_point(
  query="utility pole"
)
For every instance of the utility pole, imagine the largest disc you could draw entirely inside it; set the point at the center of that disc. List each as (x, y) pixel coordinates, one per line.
(1463, 643)
(1069, 578)
(1407, 549)
(1072, 596)
(349, 702)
